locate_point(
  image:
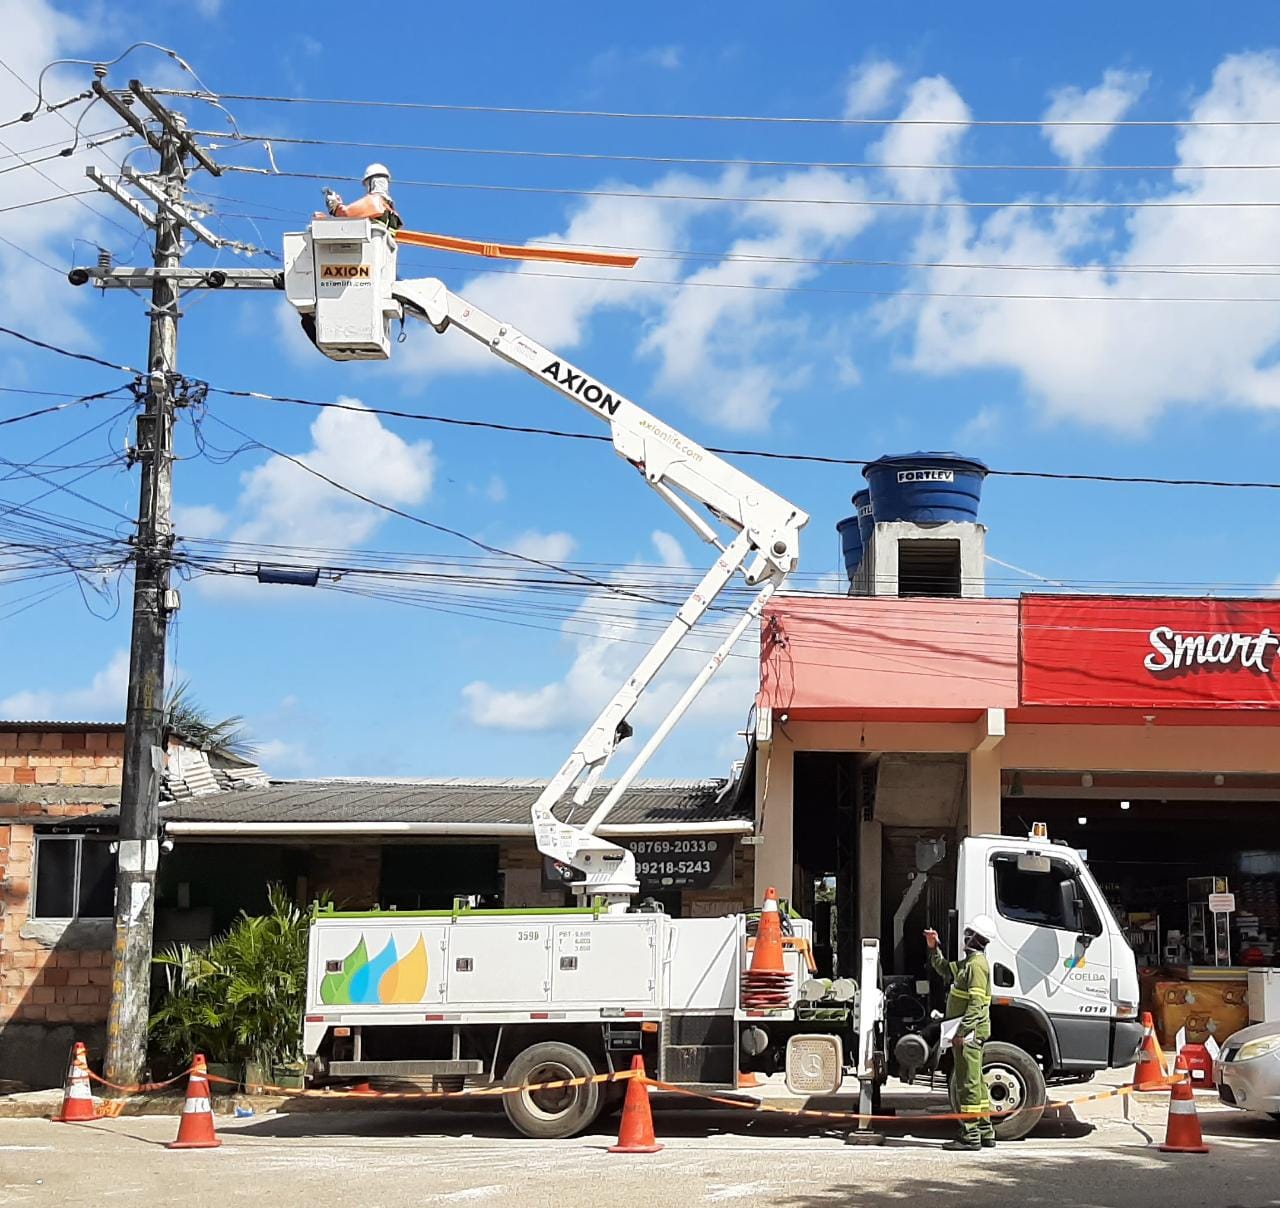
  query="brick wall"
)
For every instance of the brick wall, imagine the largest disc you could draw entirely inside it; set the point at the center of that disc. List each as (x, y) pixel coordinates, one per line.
(54, 977)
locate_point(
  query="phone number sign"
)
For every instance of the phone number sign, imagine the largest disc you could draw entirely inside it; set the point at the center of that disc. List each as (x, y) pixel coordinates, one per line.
(683, 862)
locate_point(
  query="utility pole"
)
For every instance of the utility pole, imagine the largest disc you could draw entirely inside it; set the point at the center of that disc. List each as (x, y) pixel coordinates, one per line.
(154, 601)
(144, 740)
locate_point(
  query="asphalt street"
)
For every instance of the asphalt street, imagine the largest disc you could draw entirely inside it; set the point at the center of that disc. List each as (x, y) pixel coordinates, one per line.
(1087, 1155)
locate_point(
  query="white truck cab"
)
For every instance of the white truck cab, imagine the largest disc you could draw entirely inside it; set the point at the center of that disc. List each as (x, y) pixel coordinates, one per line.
(1061, 968)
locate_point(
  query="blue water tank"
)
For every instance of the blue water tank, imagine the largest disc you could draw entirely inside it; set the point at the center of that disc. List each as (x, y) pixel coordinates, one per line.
(925, 488)
(862, 509)
(850, 544)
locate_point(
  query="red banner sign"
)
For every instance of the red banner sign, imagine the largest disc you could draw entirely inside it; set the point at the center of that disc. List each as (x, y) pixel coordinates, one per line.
(1150, 653)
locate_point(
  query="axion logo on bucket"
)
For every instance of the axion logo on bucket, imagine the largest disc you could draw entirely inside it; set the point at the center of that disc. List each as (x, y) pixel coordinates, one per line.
(348, 272)
(926, 476)
(1173, 651)
(578, 384)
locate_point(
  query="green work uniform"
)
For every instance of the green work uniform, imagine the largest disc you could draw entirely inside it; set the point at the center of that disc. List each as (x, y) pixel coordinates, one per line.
(969, 999)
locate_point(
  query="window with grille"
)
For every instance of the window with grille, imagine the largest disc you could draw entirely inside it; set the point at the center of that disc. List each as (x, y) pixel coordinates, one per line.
(75, 878)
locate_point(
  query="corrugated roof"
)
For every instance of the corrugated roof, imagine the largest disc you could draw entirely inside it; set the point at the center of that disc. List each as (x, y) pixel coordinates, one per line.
(451, 800)
(9, 724)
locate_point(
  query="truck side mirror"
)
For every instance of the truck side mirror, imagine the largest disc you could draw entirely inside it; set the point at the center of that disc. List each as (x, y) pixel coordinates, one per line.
(1084, 939)
(1071, 908)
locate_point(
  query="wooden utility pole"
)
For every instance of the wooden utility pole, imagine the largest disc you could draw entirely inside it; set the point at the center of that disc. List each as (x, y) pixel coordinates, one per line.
(144, 741)
(154, 601)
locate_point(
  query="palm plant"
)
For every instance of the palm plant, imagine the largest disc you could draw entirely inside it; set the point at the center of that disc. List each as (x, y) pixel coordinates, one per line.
(186, 716)
(243, 997)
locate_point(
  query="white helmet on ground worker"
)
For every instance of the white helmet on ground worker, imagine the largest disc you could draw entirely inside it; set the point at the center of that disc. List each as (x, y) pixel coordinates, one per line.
(377, 178)
(982, 927)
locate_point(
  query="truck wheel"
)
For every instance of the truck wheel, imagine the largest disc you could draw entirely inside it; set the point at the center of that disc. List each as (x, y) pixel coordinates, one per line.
(556, 1112)
(1015, 1083)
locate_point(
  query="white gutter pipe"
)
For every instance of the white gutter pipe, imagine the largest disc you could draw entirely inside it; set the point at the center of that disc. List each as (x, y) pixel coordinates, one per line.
(252, 830)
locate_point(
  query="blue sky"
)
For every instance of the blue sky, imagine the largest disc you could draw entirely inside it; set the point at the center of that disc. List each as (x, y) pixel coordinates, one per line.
(853, 360)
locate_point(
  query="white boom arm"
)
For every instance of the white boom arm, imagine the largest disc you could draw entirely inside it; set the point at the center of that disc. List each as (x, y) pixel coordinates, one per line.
(350, 256)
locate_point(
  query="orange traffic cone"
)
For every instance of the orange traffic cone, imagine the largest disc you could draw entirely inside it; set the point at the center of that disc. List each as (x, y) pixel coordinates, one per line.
(766, 986)
(636, 1132)
(77, 1100)
(1182, 1132)
(195, 1125)
(1149, 1073)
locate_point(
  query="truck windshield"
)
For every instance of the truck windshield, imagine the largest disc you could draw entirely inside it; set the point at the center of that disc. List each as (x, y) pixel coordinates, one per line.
(1044, 899)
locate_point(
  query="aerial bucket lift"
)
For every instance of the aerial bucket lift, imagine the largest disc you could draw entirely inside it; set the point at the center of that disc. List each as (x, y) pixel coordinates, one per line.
(340, 274)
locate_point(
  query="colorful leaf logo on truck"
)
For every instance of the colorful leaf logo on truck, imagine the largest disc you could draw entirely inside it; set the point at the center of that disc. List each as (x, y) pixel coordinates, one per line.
(382, 979)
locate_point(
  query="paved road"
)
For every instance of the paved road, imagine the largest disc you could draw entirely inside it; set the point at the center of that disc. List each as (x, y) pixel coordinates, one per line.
(1089, 1156)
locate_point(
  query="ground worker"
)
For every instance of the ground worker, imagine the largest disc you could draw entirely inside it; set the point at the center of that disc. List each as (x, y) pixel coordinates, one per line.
(376, 204)
(969, 1000)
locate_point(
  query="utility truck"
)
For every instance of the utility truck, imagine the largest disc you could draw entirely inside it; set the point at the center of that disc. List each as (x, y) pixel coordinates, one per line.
(529, 997)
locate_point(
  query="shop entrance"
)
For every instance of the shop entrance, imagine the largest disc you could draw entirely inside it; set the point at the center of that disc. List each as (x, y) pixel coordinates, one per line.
(874, 842)
(1159, 846)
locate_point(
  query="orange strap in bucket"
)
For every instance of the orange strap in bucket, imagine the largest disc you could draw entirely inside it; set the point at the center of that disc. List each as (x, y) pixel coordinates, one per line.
(508, 251)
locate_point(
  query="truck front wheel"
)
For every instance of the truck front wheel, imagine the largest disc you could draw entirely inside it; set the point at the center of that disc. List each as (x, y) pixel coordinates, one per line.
(1015, 1086)
(554, 1112)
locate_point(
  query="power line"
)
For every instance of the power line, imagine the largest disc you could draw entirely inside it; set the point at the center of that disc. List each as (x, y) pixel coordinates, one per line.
(1204, 269)
(42, 201)
(881, 202)
(752, 286)
(439, 528)
(84, 398)
(66, 352)
(710, 117)
(766, 454)
(717, 162)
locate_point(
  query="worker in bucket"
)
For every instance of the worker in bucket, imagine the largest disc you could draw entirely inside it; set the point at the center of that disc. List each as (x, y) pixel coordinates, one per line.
(376, 204)
(968, 1000)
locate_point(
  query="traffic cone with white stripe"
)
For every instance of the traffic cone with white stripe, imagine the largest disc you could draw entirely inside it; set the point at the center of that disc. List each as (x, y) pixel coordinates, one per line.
(1182, 1133)
(195, 1125)
(766, 985)
(77, 1101)
(1149, 1072)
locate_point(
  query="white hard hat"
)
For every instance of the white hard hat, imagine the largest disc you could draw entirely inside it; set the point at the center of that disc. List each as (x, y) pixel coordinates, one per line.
(982, 925)
(376, 170)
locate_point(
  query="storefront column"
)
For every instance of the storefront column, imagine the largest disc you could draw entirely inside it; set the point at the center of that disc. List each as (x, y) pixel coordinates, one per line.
(775, 816)
(984, 775)
(984, 793)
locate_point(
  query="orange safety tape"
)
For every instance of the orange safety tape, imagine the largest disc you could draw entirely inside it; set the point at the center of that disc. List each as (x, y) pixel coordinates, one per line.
(813, 1113)
(142, 1087)
(481, 1091)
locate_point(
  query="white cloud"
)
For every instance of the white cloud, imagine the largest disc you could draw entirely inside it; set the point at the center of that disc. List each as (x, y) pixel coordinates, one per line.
(287, 506)
(280, 758)
(930, 99)
(870, 87)
(198, 520)
(495, 490)
(669, 58)
(712, 341)
(1107, 102)
(606, 649)
(102, 699)
(1119, 364)
(209, 8)
(34, 34)
(713, 348)
(546, 547)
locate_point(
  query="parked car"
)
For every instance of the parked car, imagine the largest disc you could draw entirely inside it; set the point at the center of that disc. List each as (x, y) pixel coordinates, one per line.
(1247, 1071)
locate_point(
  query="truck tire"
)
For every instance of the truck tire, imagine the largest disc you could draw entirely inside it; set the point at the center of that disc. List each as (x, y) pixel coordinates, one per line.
(1014, 1080)
(554, 1113)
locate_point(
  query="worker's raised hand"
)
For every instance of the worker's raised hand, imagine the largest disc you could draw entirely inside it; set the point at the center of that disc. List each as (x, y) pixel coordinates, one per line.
(331, 200)
(931, 938)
